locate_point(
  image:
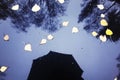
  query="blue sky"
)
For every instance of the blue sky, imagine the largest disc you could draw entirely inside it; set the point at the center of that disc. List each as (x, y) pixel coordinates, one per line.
(97, 59)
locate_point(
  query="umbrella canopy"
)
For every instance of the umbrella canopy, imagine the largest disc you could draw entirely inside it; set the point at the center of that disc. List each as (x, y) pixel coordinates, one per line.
(55, 66)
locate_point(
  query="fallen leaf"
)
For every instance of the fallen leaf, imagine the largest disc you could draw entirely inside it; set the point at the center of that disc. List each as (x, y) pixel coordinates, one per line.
(103, 38)
(3, 68)
(109, 32)
(94, 33)
(43, 41)
(50, 37)
(61, 1)
(36, 8)
(102, 15)
(103, 22)
(75, 30)
(100, 6)
(116, 78)
(15, 7)
(65, 23)
(28, 47)
(6, 37)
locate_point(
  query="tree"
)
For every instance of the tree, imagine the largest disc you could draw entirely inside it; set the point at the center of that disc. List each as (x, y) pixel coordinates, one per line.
(47, 17)
(95, 17)
(118, 66)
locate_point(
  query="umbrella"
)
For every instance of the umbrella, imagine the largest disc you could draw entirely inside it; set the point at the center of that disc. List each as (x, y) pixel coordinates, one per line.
(55, 66)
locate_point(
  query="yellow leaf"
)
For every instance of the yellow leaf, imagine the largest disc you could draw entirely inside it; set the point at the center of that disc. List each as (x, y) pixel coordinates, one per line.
(3, 69)
(6, 37)
(103, 22)
(28, 47)
(36, 8)
(109, 32)
(15, 7)
(116, 78)
(94, 33)
(102, 15)
(65, 23)
(43, 41)
(50, 37)
(103, 38)
(75, 30)
(61, 1)
(101, 6)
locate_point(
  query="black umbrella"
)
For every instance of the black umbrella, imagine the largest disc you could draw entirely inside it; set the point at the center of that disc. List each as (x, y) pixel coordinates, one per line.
(55, 66)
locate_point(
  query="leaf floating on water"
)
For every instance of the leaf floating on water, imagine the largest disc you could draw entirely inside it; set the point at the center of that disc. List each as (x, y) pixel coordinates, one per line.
(65, 23)
(101, 6)
(36, 8)
(75, 30)
(103, 38)
(109, 32)
(3, 68)
(6, 37)
(28, 47)
(102, 15)
(15, 7)
(61, 1)
(103, 22)
(94, 33)
(50, 37)
(43, 41)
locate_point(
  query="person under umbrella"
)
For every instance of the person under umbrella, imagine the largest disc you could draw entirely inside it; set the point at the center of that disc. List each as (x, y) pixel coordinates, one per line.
(55, 66)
